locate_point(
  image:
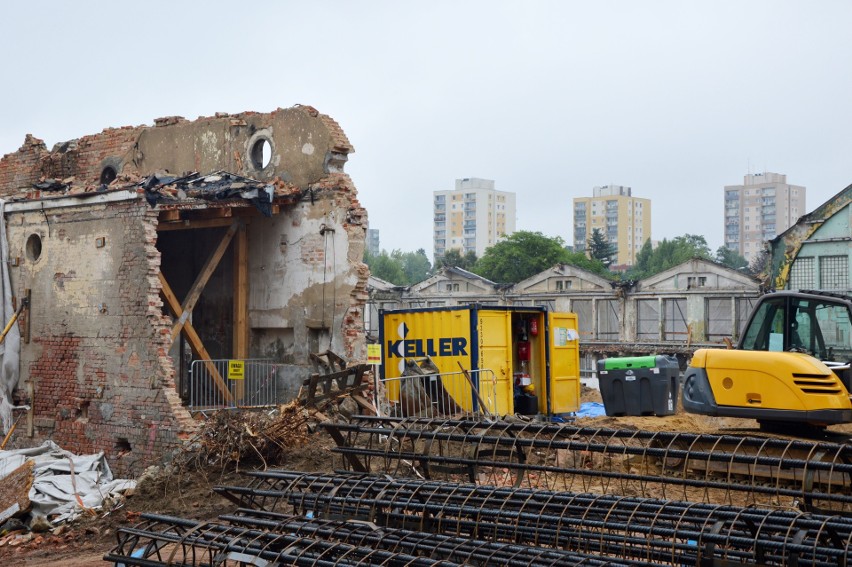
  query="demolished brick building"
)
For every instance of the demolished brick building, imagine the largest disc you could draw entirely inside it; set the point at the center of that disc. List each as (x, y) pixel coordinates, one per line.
(241, 234)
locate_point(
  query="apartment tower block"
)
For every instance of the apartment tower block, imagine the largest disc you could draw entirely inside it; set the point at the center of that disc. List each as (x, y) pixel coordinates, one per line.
(764, 206)
(624, 220)
(472, 217)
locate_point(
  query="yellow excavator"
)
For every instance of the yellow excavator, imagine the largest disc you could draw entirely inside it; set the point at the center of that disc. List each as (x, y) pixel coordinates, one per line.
(791, 365)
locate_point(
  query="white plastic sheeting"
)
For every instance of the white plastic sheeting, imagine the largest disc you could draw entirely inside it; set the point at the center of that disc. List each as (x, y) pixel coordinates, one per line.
(10, 349)
(63, 483)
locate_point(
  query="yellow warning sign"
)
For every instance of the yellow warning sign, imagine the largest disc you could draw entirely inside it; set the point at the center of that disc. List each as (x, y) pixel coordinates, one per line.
(236, 369)
(374, 354)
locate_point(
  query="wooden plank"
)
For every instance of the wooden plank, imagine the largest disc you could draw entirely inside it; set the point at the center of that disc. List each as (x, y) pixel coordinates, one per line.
(194, 340)
(213, 213)
(240, 330)
(203, 277)
(253, 212)
(169, 215)
(194, 224)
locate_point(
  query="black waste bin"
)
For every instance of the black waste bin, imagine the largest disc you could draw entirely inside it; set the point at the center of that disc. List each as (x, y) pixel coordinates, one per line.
(642, 385)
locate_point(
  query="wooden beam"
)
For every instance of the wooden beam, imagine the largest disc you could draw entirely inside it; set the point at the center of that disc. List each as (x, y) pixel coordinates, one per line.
(252, 212)
(196, 220)
(241, 334)
(190, 224)
(240, 330)
(213, 213)
(194, 340)
(203, 277)
(169, 215)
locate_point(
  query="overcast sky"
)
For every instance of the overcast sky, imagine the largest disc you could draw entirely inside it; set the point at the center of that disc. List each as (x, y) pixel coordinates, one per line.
(549, 99)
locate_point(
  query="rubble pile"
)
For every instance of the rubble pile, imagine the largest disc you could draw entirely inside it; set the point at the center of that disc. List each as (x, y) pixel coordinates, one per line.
(249, 437)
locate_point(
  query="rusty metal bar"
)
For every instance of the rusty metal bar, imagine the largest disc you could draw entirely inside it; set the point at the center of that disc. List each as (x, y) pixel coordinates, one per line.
(624, 527)
(274, 539)
(815, 476)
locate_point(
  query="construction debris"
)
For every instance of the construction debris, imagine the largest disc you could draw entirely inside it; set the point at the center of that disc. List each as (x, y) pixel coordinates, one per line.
(59, 485)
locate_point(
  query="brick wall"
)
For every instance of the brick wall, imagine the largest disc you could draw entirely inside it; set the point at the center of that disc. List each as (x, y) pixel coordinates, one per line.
(97, 358)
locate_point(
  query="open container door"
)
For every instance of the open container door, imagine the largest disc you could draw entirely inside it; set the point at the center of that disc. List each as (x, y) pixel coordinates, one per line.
(495, 354)
(563, 353)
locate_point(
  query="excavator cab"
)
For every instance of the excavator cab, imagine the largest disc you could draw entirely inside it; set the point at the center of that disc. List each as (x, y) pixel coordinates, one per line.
(791, 364)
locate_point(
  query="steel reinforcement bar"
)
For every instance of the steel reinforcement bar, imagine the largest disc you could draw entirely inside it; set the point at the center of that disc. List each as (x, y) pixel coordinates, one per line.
(166, 540)
(463, 549)
(267, 539)
(813, 476)
(638, 529)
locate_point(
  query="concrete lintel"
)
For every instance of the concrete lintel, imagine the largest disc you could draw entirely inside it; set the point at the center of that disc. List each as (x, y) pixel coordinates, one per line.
(72, 201)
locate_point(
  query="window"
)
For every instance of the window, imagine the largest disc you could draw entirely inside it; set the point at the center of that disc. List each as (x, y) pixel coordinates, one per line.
(834, 272)
(563, 285)
(648, 320)
(695, 281)
(674, 323)
(585, 322)
(745, 305)
(802, 274)
(608, 318)
(719, 323)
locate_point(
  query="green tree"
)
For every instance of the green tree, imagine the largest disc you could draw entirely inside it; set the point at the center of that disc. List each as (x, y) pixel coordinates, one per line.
(667, 254)
(580, 260)
(730, 258)
(385, 267)
(454, 259)
(759, 266)
(601, 249)
(398, 267)
(415, 265)
(519, 256)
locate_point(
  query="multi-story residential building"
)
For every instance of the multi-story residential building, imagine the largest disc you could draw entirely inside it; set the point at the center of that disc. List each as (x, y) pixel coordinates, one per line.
(764, 206)
(373, 241)
(472, 217)
(623, 219)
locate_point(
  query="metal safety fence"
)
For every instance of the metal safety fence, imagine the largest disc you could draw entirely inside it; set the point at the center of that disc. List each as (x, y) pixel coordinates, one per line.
(444, 394)
(232, 383)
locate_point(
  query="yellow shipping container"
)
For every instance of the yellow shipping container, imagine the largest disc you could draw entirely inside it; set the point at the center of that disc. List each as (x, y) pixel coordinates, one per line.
(505, 343)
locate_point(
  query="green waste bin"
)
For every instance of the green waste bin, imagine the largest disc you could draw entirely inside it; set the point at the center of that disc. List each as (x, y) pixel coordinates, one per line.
(641, 385)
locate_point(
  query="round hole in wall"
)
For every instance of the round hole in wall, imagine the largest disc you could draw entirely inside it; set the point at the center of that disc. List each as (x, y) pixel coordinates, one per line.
(33, 247)
(107, 175)
(261, 153)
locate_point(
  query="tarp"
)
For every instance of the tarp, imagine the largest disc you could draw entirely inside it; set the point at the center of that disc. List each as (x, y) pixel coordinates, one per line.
(10, 348)
(591, 409)
(63, 483)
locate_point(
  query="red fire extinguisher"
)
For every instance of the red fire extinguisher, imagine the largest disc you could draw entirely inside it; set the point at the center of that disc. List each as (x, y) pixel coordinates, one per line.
(534, 327)
(523, 350)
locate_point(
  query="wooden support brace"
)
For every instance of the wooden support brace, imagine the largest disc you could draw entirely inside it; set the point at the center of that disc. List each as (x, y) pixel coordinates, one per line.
(203, 277)
(194, 340)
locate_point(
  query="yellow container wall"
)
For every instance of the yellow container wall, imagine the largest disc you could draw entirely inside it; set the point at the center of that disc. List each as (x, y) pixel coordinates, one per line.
(444, 336)
(564, 363)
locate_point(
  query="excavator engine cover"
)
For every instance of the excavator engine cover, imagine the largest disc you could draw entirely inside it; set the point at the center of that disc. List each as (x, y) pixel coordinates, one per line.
(765, 385)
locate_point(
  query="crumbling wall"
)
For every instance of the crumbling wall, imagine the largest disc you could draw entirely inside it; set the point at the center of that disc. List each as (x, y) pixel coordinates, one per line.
(97, 339)
(97, 355)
